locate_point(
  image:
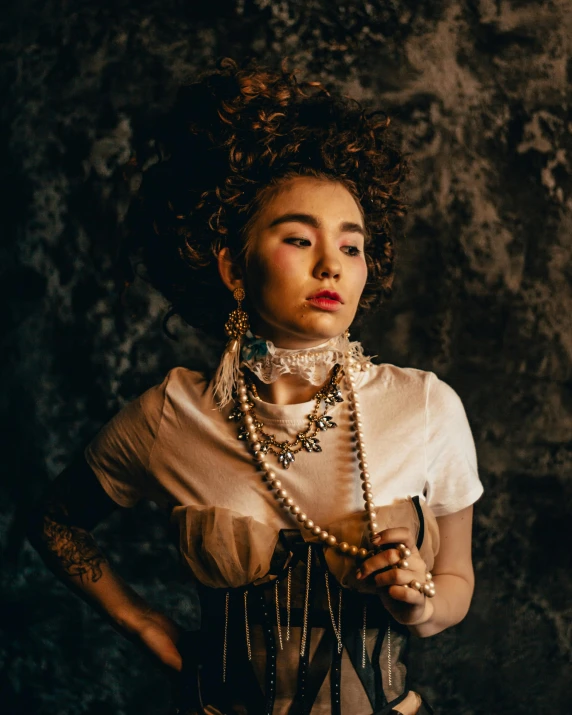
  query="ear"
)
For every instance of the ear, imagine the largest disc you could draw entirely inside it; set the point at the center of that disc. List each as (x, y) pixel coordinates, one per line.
(229, 270)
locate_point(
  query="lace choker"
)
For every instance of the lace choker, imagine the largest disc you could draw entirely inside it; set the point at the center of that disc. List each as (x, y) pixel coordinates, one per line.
(268, 362)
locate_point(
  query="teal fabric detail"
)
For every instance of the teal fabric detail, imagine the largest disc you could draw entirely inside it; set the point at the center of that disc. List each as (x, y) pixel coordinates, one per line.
(254, 348)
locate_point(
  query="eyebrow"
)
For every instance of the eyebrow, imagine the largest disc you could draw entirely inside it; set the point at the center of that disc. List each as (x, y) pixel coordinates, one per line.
(345, 226)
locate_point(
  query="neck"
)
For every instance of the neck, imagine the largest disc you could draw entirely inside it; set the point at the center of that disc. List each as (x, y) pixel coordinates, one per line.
(286, 390)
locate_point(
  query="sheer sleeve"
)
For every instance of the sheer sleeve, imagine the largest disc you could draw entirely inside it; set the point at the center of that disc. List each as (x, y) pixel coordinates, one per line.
(119, 453)
(452, 475)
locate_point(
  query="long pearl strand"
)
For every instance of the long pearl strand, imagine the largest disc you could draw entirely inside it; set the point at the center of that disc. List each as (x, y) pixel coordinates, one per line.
(271, 478)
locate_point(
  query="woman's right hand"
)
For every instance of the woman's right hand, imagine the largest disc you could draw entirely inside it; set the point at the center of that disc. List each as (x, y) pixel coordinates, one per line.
(157, 634)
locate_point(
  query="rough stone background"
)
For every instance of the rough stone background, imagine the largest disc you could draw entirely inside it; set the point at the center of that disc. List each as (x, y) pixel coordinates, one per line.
(481, 93)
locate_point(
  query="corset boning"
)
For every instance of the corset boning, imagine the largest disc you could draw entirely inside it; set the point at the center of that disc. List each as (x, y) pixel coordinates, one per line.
(299, 634)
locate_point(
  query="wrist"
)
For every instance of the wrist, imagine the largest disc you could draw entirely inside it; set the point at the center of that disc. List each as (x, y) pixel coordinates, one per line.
(132, 613)
(427, 614)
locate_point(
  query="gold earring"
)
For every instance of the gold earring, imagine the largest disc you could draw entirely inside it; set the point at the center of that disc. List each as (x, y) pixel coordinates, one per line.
(237, 323)
(228, 370)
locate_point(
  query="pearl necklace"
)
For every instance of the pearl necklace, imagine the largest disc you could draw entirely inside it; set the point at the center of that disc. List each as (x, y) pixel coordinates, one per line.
(270, 477)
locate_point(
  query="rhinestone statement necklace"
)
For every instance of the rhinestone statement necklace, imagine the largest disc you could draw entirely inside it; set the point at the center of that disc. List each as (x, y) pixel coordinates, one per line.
(285, 451)
(261, 444)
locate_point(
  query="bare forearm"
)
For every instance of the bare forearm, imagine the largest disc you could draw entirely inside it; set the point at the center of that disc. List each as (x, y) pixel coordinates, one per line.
(74, 556)
(447, 608)
(60, 526)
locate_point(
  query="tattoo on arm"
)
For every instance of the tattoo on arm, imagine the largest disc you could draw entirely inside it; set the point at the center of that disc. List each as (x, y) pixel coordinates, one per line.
(70, 548)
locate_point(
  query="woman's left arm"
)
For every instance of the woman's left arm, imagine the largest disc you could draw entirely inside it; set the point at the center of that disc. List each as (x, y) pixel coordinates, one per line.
(452, 572)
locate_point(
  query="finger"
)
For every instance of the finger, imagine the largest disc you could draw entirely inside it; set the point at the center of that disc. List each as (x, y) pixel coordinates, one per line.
(406, 595)
(396, 535)
(383, 561)
(394, 577)
(397, 576)
(392, 559)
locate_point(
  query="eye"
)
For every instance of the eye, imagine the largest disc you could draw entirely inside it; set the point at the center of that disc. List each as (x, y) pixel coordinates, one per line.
(300, 242)
(352, 250)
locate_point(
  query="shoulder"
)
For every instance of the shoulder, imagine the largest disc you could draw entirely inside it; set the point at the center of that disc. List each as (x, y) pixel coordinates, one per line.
(413, 391)
(183, 378)
(411, 381)
(400, 379)
(183, 386)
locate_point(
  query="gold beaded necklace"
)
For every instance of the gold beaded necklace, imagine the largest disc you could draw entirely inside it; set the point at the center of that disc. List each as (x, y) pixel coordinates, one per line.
(330, 394)
(244, 412)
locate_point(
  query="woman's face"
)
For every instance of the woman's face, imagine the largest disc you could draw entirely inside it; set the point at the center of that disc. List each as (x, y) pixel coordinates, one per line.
(305, 268)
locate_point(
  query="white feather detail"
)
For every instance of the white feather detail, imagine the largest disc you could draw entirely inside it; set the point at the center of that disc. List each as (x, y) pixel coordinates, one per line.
(227, 373)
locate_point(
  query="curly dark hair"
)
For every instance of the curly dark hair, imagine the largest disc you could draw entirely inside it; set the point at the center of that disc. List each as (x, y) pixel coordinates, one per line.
(224, 149)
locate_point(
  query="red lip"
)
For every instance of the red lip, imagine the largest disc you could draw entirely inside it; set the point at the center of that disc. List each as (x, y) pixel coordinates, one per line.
(328, 294)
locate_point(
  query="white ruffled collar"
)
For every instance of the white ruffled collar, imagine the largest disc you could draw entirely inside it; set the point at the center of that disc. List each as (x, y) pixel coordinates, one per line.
(269, 362)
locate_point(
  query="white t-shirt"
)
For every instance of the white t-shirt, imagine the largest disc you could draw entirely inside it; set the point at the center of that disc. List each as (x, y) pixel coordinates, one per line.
(173, 446)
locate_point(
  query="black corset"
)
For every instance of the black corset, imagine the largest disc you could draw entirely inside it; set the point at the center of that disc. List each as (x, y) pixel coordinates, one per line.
(229, 682)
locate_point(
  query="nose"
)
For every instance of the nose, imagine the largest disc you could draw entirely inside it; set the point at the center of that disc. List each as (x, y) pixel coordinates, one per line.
(328, 264)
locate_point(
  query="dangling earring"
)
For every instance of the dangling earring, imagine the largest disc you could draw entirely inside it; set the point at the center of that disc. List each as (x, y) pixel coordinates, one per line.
(237, 323)
(228, 369)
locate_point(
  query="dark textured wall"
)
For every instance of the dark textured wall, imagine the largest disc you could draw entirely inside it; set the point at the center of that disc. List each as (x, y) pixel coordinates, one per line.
(481, 94)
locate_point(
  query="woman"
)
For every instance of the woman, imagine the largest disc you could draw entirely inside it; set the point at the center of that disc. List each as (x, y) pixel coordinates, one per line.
(323, 504)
